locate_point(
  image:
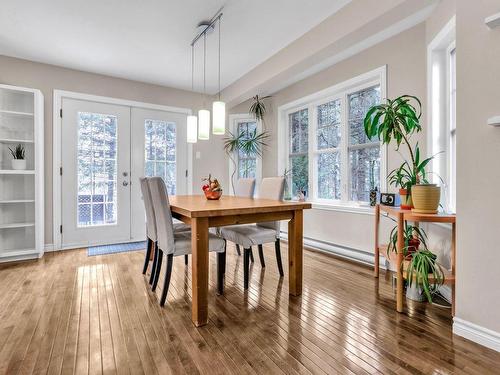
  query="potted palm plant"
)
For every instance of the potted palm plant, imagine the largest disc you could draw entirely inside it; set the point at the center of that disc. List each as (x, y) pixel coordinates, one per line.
(18, 157)
(398, 120)
(250, 143)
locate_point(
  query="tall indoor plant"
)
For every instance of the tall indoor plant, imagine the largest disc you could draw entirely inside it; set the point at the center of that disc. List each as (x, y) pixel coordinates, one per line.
(250, 143)
(397, 120)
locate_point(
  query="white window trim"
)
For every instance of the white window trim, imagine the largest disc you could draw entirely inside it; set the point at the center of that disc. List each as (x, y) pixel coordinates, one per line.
(234, 119)
(372, 78)
(438, 114)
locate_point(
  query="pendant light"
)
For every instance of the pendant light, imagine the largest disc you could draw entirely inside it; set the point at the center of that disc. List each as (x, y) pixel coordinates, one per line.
(192, 120)
(204, 114)
(219, 107)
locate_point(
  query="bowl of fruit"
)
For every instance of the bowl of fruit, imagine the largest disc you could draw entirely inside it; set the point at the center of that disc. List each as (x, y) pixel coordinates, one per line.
(211, 188)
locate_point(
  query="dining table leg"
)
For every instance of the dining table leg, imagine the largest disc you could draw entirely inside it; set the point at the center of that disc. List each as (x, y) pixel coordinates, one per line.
(199, 264)
(295, 253)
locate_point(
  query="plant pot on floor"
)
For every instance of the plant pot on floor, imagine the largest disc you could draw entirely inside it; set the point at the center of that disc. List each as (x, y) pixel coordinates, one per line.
(18, 164)
(426, 198)
(406, 200)
(415, 293)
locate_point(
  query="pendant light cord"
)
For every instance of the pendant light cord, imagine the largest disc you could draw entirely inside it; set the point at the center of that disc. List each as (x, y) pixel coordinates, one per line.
(204, 67)
(192, 67)
(219, 55)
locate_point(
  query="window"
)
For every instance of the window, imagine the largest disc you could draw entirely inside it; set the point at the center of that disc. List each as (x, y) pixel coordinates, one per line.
(298, 157)
(160, 138)
(329, 157)
(364, 153)
(97, 169)
(244, 165)
(247, 164)
(452, 179)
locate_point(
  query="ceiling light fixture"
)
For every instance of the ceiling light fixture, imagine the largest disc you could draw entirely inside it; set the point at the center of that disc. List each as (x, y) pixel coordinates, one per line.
(202, 123)
(204, 114)
(219, 107)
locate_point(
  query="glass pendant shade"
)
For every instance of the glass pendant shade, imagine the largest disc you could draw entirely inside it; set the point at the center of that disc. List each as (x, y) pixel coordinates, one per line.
(192, 129)
(203, 124)
(219, 118)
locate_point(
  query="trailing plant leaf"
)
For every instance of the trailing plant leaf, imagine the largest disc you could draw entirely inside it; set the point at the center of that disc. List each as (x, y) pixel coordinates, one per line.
(409, 232)
(258, 108)
(422, 265)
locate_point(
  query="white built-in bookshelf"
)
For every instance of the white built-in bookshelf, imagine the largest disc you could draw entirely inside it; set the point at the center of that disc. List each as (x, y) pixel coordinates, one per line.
(21, 191)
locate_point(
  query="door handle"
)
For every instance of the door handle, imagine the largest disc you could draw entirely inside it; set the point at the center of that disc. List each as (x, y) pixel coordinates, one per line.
(125, 183)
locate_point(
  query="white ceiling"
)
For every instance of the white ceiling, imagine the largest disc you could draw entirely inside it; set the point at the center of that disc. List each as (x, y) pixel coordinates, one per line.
(149, 40)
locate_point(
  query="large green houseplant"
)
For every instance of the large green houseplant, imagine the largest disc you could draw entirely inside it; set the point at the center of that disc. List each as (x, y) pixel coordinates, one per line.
(249, 143)
(397, 120)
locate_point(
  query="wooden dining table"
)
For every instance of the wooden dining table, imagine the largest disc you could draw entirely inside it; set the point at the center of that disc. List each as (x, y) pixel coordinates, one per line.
(202, 214)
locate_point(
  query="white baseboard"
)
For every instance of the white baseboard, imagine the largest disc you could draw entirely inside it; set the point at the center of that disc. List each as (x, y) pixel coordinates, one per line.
(49, 247)
(340, 251)
(476, 333)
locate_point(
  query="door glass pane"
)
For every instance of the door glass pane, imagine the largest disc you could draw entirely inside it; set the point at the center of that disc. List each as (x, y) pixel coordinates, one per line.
(160, 151)
(97, 169)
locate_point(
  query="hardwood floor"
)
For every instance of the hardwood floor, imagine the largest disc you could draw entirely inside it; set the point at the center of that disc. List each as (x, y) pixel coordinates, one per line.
(69, 313)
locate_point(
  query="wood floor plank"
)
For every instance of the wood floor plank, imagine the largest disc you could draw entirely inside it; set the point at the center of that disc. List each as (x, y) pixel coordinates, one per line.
(69, 313)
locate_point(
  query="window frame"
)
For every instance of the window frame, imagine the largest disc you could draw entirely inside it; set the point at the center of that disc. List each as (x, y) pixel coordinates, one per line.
(234, 120)
(451, 127)
(341, 91)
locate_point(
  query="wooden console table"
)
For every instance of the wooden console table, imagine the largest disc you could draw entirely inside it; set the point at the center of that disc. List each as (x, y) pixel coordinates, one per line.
(397, 261)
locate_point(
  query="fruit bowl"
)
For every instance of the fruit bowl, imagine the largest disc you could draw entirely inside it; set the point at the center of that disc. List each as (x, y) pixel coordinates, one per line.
(213, 195)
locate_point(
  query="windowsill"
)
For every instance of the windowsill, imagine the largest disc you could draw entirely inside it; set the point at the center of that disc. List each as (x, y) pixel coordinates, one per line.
(346, 207)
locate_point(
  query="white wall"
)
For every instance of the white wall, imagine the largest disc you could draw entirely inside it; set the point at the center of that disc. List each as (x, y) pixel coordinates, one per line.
(478, 172)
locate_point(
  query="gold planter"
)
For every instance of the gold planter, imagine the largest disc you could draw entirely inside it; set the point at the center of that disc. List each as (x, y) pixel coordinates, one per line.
(425, 198)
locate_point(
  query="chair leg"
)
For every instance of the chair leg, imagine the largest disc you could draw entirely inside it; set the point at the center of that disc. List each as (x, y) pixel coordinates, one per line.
(251, 255)
(221, 265)
(261, 257)
(225, 249)
(157, 270)
(246, 266)
(155, 261)
(148, 254)
(166, 283)
(238, 249)
(186, 259)
(278, 257)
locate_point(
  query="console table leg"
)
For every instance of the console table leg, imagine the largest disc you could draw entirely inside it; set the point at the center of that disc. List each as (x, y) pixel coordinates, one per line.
(399, 265)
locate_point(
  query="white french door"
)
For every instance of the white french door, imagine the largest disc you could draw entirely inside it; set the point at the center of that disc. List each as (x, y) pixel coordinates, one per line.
(96, 167)
(105, 149)
(159, 148)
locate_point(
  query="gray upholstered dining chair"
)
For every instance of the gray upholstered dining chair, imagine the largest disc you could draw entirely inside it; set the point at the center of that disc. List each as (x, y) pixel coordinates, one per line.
(177, 243)
(151, 229)
(245, 187)
(249, 235)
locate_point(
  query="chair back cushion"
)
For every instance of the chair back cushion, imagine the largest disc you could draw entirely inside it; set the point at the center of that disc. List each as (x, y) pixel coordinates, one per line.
(148, 206)
(163, 215)
(272, 188)
(245, 187)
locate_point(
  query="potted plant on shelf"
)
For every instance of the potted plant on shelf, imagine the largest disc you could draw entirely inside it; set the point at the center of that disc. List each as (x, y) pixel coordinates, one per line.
(398, 120)
(250, 143)
(18, 155)
(413, 237)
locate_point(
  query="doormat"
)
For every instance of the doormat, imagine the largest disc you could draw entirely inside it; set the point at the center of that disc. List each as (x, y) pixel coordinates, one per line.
(116, 248)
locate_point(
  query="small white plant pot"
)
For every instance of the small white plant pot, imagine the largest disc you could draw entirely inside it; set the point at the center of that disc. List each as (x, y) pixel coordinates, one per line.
(18, 164)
